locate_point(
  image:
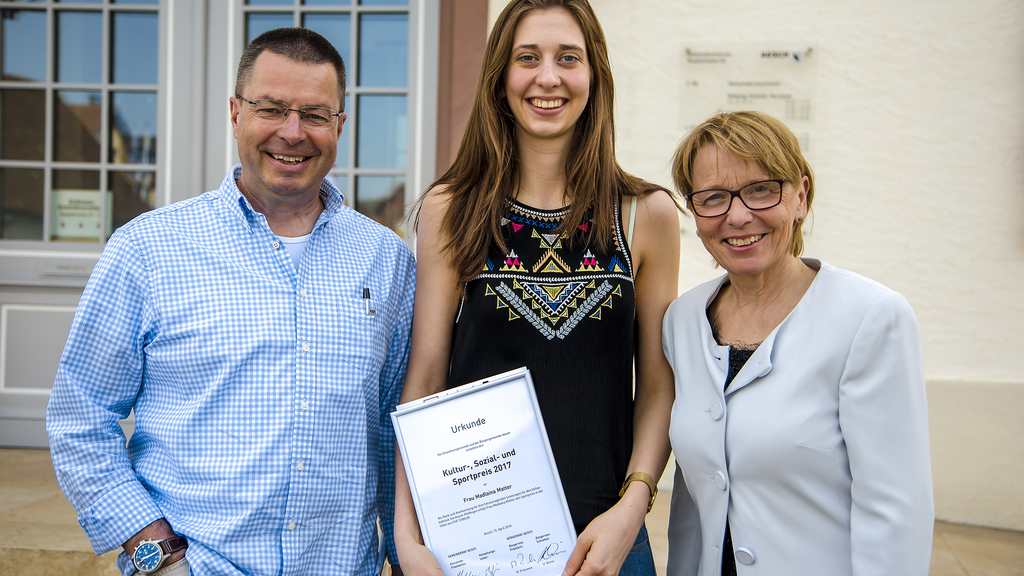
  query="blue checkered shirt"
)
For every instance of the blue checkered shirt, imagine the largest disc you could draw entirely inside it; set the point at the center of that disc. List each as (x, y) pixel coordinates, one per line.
(262, 394)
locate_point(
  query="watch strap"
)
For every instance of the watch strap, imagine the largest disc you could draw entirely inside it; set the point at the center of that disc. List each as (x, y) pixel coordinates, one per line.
(173, 544)
(646, 479)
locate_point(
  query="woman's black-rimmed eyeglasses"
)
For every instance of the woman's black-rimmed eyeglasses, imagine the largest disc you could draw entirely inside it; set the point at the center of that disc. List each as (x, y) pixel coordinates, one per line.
(755, 196)
(276, 112)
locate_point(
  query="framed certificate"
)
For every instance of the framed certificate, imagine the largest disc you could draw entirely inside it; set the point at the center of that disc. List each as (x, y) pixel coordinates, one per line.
(487, 493)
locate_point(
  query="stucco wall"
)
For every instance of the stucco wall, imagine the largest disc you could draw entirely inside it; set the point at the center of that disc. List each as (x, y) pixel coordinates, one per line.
(919, 157)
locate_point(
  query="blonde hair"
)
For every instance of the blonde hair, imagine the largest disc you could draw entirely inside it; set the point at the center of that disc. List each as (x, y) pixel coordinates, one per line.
(751, 136)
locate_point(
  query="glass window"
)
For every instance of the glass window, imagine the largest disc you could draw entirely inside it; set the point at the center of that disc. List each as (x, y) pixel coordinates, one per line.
(22, 130)
(256, 23)
(79, 47)
(382, 131)
(21, 204)
(134, 47)
(77, 125)
(78, 133)
(24, 45)
(372, 37)
(384, 50)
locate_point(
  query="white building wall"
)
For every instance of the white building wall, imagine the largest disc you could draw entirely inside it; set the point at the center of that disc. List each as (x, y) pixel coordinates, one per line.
(919, 159)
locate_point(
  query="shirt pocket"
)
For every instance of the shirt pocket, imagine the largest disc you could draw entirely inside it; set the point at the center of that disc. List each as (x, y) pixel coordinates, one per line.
(364, 343)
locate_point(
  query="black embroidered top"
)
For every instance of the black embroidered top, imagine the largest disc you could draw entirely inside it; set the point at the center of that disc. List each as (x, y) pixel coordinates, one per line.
(566, 312)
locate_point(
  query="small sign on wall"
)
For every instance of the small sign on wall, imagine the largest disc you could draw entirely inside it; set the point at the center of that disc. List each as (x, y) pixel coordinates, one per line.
(77, 215)
(777, 81)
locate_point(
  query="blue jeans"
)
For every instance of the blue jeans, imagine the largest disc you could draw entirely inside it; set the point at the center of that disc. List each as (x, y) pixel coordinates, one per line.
(640, 561)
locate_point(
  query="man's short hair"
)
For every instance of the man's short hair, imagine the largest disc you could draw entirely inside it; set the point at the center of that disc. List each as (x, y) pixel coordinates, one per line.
(298, 44)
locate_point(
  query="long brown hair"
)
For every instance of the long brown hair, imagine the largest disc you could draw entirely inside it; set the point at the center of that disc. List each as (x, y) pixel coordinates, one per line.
(486, 170)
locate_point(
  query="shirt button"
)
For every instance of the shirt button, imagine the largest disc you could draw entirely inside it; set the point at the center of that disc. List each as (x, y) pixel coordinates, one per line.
(291, 525)
(305, 346)
(302, 292)
(305, 406)
(276, 244)
(299, 466)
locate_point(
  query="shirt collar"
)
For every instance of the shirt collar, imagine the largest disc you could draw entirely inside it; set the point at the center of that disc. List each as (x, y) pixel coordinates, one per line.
(332, 197)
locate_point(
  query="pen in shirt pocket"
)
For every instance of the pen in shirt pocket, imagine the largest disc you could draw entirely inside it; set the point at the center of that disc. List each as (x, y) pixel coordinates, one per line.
(366, 301)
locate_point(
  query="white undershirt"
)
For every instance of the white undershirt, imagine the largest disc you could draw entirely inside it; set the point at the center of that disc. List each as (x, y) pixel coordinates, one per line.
(296, 247)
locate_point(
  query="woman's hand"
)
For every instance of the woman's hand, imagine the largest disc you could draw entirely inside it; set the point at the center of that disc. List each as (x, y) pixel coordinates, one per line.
(607, 540)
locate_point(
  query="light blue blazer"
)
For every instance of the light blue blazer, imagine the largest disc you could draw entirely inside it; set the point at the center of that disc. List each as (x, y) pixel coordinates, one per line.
(818, 451)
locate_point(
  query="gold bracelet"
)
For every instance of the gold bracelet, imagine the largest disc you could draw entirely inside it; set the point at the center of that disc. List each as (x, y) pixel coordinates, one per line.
(646, 479)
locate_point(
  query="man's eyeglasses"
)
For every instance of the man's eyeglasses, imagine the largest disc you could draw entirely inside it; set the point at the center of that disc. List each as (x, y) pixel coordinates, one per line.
(275, 112)
(755, 196)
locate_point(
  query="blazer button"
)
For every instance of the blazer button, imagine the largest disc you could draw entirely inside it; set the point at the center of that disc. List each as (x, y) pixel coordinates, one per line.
(744, 556)
(717, 411)
(721, 481)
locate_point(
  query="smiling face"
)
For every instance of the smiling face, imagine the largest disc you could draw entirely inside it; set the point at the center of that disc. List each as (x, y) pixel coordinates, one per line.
(744, 241)
(547, 82)
(284, 162)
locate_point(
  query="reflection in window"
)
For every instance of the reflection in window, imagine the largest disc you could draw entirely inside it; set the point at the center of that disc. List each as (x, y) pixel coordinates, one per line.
(22, 124)
(79, 46)
(382, 137)
(257, 23)
(132, 194)
(336, 28)
(342, 161)
(21, 204)
(327, 2)
(382, 198)
(134, 47)
(133, 127)
(77, 207)
(384, 50)
(77, 123)
(24, 45)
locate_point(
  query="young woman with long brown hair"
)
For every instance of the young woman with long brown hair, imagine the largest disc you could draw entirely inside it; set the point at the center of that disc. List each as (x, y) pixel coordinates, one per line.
(536, 249)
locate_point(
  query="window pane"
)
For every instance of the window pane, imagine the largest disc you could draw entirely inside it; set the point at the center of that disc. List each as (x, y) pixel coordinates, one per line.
(135, 47)
(76, 206)
(21, 204)
(22, 124)
(150, 2)
(81, 1)
(382, 198)
(24, 45)
(133, 127)
(76, 130)
(382, 132)
(383, 50)
(384, 2)
(341, 161)
(132, 193)
(341, 181)
(326, 2)
(256, 24)
(336, 28)
(270, 2)
(79, 46)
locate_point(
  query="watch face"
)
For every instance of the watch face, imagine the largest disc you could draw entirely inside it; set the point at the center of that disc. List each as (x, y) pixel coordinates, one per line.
(147, 557)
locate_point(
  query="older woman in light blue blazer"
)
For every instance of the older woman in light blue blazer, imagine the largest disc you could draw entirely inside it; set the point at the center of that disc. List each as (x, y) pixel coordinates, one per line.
(800, 427)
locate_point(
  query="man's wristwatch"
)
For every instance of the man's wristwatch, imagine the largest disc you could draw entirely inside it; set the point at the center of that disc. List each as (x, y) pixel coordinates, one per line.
(149, 555)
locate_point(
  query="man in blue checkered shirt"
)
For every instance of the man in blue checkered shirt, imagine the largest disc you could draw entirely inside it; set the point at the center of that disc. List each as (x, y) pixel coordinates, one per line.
(260, 332)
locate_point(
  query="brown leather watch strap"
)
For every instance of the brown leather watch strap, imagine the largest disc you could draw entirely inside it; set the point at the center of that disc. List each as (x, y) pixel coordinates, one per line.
(172, 545)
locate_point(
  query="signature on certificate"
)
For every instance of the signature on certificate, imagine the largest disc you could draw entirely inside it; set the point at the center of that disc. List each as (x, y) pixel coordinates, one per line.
(549, 552)
(489, 571)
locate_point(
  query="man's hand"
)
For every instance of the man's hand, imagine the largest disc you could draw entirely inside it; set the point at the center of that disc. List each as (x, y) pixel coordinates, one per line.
(159, 530)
